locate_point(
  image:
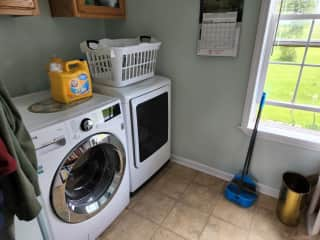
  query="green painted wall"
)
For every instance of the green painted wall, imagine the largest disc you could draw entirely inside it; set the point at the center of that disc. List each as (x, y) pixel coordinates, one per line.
(28, 43)
(209, 92)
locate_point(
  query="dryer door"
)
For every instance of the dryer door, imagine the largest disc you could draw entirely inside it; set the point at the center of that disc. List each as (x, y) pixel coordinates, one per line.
(88, 178)
(150, 124)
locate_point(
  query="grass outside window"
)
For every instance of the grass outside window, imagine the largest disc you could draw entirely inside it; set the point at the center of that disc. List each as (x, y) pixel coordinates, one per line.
(280, 84)
(281, 81)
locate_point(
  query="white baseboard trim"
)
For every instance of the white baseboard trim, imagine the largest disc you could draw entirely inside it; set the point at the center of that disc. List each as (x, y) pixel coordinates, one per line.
(273, 192)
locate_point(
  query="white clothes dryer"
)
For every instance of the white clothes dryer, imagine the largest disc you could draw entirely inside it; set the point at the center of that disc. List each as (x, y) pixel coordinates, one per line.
(147, 110)
(82, 164)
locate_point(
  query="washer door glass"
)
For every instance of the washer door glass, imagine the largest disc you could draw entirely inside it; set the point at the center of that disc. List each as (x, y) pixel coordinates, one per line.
(88, 178)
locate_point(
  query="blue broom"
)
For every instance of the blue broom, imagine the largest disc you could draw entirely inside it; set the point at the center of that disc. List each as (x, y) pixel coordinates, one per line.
(242, 190)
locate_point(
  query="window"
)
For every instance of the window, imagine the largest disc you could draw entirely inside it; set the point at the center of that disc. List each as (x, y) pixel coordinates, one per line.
(288, 54)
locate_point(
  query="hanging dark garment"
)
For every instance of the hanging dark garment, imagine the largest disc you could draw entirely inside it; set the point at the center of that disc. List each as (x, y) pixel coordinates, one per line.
(18, 190)
(8, 164)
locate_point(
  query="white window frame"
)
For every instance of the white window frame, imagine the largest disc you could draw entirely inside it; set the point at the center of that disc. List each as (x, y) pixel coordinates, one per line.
(259, 65)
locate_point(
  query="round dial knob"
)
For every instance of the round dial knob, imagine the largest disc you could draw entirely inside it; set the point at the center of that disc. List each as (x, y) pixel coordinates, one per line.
(86, 124)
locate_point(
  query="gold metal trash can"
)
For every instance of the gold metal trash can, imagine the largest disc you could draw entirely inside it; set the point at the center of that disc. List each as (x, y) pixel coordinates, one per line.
(294, 190)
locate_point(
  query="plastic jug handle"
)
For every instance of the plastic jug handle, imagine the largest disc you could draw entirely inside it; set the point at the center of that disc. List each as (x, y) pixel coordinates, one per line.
(71, 63)
(145, 38)
(92, 44)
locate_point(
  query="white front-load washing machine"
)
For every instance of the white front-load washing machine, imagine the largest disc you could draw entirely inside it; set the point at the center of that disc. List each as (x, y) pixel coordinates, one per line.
(82, 163)
(147, 110)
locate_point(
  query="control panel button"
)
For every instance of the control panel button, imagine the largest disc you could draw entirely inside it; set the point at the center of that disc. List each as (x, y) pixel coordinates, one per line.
(86, 124)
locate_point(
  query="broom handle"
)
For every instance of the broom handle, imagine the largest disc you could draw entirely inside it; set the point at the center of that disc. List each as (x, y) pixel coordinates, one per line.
(253, 138)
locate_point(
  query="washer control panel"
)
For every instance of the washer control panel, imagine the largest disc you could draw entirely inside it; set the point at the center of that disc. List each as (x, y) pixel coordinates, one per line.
(97, 119)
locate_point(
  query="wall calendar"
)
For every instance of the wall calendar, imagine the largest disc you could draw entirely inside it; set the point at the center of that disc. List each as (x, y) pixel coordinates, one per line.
(220, 23)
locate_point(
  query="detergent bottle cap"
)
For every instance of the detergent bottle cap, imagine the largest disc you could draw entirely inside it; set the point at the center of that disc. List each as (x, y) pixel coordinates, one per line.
(56, 65)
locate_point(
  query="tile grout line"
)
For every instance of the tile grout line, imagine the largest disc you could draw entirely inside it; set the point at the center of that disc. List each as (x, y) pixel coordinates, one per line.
(235, 225)
(177, 201)
(167, 229)
(187, 184)
(175, 204)
(144, 217)
(159, 225)
(167, 215)
(164, 219)
(162, 226)
(180, 201)
(193, 207)
(149, 219)
(155, 232)
(255, 212)
(113, 224)
(205, 225)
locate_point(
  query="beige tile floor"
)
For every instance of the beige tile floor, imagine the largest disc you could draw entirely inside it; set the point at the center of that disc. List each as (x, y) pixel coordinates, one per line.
(182, 204)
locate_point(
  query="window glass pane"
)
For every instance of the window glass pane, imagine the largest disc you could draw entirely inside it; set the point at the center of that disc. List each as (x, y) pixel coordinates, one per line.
(316, 31)
(309, 89)
(313, 55)
(286, 117)
(281, 81)
(293, 30)
(287, 54)
(300, 6)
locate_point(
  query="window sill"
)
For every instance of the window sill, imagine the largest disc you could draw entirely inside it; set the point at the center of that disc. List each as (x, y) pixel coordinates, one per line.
(293, 136)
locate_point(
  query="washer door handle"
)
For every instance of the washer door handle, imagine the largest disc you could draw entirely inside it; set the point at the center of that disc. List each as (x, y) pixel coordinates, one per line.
(61, 141)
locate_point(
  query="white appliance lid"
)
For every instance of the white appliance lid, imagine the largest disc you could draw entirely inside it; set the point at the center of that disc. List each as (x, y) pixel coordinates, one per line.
(135, 90)
(35, 121)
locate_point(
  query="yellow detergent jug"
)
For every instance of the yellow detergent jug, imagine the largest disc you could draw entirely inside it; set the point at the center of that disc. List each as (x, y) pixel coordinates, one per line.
(71, 81)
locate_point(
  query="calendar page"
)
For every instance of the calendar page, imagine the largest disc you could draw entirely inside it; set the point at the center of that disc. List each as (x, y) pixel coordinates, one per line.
(219, 31)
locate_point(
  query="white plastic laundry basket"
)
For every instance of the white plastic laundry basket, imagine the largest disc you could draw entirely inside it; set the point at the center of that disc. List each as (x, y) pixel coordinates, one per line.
(121, 62)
